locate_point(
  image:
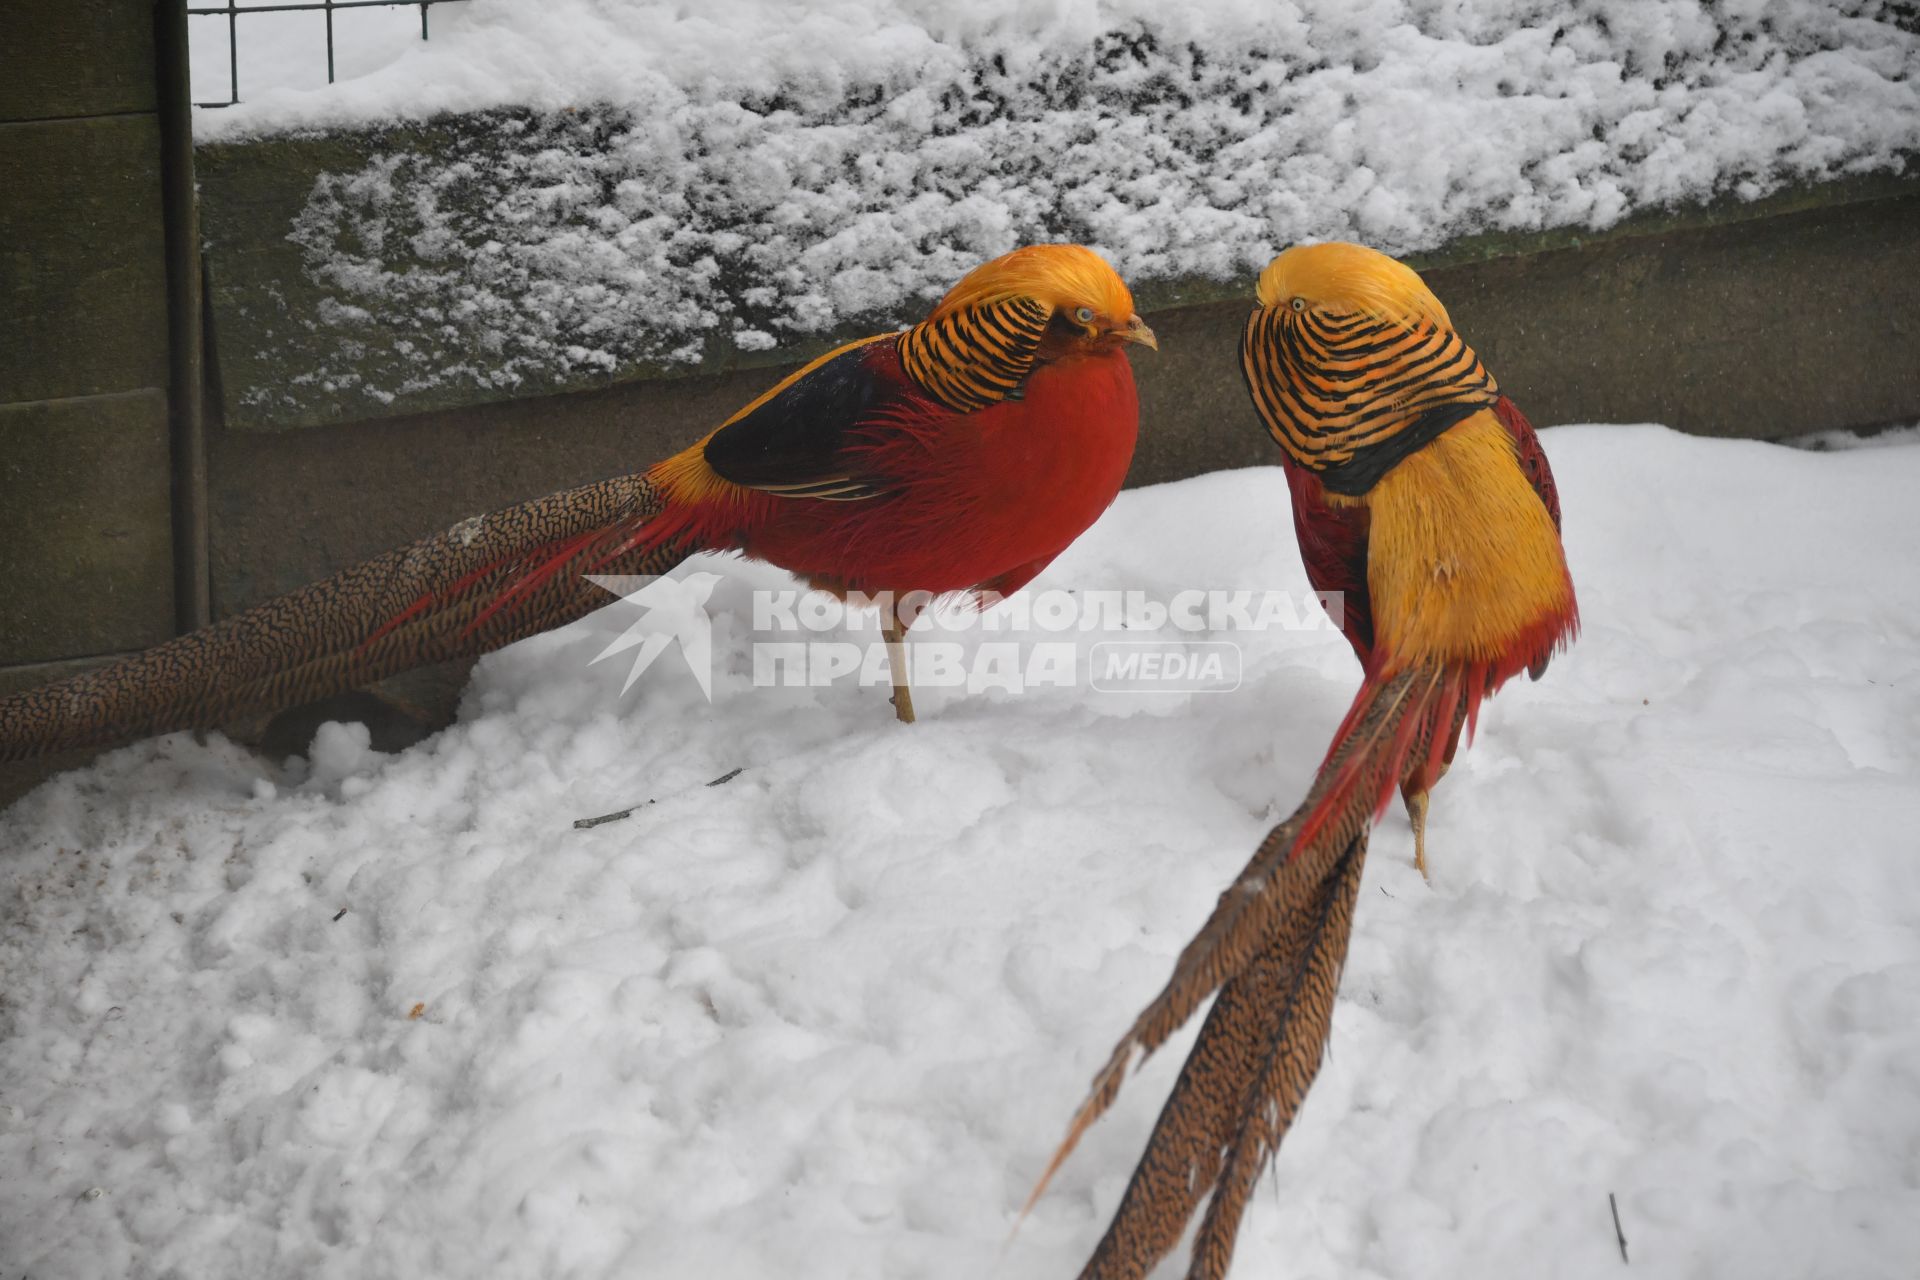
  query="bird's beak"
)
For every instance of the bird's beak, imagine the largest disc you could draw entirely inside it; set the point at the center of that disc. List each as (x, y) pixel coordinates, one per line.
(1137, 331)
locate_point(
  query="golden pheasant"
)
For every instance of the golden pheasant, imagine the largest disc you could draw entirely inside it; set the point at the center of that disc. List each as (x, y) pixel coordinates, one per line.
(1425, 497)
(1314, 419)
(963, 453)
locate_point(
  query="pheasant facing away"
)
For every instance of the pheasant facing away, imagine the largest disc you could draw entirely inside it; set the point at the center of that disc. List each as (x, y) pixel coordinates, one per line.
(1325, 432)
(1423, 494)
(963, 453)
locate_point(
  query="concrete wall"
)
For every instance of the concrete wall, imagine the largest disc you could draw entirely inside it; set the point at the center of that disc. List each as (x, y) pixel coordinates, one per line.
(89, 558)
(85, 506)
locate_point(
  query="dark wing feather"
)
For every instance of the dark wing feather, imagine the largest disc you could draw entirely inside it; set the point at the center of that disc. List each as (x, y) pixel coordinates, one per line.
(797, 441)
(1533, 461)
(1333, 547)
(1533, 458)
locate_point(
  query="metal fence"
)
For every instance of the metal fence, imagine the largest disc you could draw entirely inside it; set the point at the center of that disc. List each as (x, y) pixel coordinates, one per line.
(233, 12)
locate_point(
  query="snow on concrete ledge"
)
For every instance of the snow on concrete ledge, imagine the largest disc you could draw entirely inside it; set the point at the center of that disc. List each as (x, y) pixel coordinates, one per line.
(650, 184)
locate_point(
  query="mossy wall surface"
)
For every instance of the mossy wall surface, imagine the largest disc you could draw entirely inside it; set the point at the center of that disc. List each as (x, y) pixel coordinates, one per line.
(385, 272)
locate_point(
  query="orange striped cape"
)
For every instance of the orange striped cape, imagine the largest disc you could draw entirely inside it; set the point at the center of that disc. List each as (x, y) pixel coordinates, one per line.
(1349, 394)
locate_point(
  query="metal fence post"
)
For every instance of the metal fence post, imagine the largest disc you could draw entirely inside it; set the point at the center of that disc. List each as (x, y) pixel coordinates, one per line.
(186, 339)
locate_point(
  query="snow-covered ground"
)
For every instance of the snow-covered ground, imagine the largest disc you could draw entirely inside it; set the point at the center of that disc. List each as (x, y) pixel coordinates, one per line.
(828, 1019)
(663, 174)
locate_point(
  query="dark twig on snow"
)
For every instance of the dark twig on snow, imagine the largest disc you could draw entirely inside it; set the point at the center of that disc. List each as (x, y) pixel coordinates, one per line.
(1620, 1237)
(583, 824)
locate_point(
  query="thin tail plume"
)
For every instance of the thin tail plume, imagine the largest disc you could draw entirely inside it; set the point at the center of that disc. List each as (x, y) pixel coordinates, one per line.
(1273, 950)
(481, 584)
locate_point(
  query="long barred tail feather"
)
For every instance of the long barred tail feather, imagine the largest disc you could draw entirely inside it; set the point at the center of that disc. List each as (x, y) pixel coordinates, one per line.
(1281, 1009)
(1250, 1069)
(1273, 950)
(439, 599)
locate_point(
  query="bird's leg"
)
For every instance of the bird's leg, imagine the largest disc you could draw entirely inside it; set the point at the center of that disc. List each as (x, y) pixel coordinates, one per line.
(1417, 815)
(1419, 784)
(897, 664)
(1415, 790)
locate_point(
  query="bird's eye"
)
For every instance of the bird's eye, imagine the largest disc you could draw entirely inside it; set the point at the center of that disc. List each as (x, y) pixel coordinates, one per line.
(1299, 304)
(1084, 315)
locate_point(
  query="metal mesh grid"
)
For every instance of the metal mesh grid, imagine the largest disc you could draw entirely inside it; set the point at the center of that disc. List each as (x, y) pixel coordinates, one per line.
(233, 12)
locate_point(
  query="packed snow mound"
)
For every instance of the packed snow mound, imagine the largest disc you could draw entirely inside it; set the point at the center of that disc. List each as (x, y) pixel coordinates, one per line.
(650, 178)
(394, 1016)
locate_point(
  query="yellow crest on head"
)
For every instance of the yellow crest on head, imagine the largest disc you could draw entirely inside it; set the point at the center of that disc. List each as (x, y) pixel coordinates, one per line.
(1338, 276)
(1058, 276)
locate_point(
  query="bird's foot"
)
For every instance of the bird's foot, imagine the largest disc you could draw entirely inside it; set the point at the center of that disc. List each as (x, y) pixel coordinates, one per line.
(895, 633)
(1417, 815)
